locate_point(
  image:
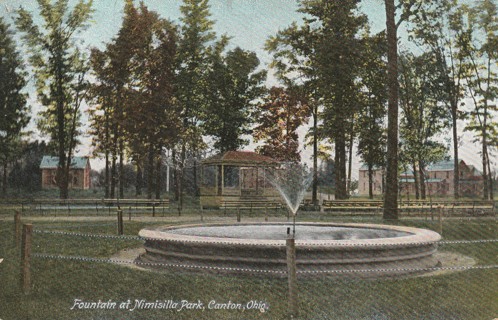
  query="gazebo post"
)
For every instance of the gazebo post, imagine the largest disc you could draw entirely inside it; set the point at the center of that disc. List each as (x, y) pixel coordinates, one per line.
(222, 179)
(257, 179)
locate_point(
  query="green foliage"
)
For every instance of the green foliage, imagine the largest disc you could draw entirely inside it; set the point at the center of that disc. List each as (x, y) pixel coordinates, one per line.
(373, 98)
(279, 116)
(480, 54)
(324, 56)
(234, 84)
(13, 107)
(423, 117)
(26, 176)
(133, 95)
(196, 40)
(59, 67)
(439, 29)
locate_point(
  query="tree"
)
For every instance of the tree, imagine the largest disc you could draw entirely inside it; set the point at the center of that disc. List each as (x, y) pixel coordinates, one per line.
(279, 116)
(234, 85)
(481, 55)
(196, 37)
(294, 61)
(60, 69)
(439, 29)
(325, 54)
(112, 70)
(152, 116)
(338, 52)
(371, 116)
(194, 46)
(13, 106)
(26, 173)
(423, 116)
(391, 194)
(100, 111)
(134, 109)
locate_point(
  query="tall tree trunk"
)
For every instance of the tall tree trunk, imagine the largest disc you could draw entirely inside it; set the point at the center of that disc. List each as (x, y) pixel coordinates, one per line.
(423, 191)
(113, 175)
(456, 169)
(150, 172)
(181, 178)
(121, 169)
(340, 161)
(490, 180)
(485, 161)
(158, 175)
(370, 182)
(106, 146)
(175, 174)
(196, 187)
(314, 193)
(106, 175)
(416, 182)
(391, 195)
(62, 178)
(350, 164)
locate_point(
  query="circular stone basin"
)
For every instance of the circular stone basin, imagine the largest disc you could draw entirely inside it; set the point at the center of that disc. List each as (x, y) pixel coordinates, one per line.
(347, 249)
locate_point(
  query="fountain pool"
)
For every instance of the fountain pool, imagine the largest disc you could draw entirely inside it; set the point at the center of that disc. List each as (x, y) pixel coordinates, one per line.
(351, 249)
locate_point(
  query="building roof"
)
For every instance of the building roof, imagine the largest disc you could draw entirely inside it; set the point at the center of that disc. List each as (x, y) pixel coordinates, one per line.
(431, 180)
(445, 165)
(240, 158)
(49, 162)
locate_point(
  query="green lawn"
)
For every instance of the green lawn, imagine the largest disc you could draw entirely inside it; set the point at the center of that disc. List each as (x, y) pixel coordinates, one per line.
(470, 294)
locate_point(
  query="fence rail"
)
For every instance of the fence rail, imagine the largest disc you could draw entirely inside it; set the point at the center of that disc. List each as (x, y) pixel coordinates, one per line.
(472, 207)
(43, 206)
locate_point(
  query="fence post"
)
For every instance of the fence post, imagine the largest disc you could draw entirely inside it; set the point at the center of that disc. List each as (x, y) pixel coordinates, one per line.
(441, 208)
(266, 212)
(238, 214)
(153, 209)
(120, 222)
(291, 274)
(17, 228)
(27, 233)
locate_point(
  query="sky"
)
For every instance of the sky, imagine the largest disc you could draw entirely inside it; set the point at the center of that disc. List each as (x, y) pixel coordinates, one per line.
(249, 23)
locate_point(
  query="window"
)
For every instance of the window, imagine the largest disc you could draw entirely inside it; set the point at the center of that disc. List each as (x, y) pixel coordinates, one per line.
(209, 176)
(231, 175)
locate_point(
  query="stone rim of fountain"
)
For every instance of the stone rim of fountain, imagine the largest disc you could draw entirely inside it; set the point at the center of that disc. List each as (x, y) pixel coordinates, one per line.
(415, 235)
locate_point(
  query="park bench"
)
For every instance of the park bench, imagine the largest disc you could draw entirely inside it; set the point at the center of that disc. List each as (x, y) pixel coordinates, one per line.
(250, 204)
(350, 205)
(137, 204)
(471, 207)
(99, 205)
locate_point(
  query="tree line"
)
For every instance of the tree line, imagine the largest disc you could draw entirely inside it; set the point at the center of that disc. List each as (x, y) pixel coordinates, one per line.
(158, 85)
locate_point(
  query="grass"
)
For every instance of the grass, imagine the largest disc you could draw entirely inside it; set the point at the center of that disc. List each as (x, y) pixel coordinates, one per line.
(470, 294)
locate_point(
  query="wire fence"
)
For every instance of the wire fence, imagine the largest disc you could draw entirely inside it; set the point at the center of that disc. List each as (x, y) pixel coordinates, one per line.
(102, 279)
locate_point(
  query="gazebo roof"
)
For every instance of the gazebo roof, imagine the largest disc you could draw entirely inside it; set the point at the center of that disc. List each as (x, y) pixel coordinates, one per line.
(240, 158)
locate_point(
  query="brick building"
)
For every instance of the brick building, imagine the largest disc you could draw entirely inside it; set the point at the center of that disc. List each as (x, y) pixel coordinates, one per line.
(79, 172)
(438, 180)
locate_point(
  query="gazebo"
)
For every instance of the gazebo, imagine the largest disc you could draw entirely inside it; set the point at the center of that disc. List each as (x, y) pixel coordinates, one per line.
(236, 175)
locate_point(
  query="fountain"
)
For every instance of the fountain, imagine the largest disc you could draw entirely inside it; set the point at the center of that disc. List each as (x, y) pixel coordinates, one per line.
(366, 250)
